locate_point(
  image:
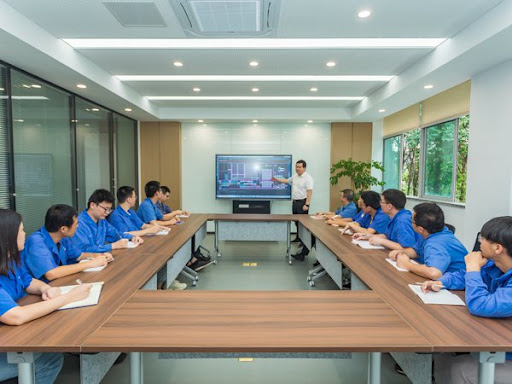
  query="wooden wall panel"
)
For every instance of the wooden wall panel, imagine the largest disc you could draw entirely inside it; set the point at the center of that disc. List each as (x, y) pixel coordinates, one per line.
(348, 140)
(160, 156)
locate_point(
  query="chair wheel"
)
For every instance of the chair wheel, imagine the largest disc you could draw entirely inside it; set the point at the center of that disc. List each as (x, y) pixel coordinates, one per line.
(311, 283)
(309, 278)
(194, 283)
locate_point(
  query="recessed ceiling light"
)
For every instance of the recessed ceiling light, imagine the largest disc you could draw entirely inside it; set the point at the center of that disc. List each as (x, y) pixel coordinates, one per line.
(364, 14)
(26, 85)
(255, 89)
(264, 43)
(258, 98)
(128, 109)
(428, 86)
(200, 121)
(330, 64)
(314, 89)
(94, 109)
(257, 78)
(19, 120)
(310, 121)
(254, 63)
(36, 86)
(2, 89)
(196, 89)
(83, 86)
(178, 64)
(255, 121)
(382, 110)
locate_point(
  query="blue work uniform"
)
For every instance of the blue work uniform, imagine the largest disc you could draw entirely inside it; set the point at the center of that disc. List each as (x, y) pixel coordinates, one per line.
(400, 229)
(41, 254)
(148, 211)
(347, 211)
(379, 222)
(359, 217)
(488, 292)
(163, 208)
(125, 221)
(441, 250)
(12, 287)
(93, 237)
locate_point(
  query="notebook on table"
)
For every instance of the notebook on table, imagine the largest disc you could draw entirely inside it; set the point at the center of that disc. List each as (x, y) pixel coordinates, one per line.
(93, 299)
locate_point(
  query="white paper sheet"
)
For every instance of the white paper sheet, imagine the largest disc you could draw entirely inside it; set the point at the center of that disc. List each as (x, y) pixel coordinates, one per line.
(93, 299)
(393, 263)
(95, 269)
(443, 297)
(365, 244)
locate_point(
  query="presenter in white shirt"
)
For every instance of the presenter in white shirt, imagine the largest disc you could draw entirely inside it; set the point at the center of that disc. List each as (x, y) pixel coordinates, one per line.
(302, 190)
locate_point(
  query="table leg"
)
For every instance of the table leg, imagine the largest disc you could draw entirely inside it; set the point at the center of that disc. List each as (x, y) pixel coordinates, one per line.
(25, 361)
(487, 361)
(136, 368)
(288, 242)
(374, 367)
(216, 243)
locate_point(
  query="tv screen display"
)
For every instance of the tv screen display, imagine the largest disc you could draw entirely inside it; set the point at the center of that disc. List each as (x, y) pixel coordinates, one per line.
(250, 176)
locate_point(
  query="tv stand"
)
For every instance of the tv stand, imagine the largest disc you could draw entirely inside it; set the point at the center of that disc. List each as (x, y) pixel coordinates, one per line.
(251, 206)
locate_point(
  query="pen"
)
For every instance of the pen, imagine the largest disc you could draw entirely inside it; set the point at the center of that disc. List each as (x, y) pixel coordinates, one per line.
(420, 283)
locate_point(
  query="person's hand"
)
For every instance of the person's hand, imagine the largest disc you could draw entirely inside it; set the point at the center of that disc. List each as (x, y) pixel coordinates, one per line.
(81, 292)
(120, 244)
(431, 286)
(394, 253)
(152, 229)
(50, 293)
(274, 179)
(186, 213)
(329, 221)
(474, 261)
(136, 240)
(376, 240)
(98, 261)
(305, 207)
(108, 256)
(403, 261)
(360, 236)
(178, 212)
(173, 221)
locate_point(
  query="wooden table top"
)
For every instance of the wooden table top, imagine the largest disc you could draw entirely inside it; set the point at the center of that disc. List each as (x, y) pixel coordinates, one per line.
(248, 321)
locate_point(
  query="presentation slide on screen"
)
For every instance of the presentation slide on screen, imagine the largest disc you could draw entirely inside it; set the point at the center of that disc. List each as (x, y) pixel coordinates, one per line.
(250, 176)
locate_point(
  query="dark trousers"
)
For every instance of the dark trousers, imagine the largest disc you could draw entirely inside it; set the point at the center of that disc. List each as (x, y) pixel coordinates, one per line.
(297, 207)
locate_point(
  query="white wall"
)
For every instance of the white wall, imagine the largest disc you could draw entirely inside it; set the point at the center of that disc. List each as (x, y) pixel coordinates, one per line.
(489, 182)
(201, 143)
(377, 148)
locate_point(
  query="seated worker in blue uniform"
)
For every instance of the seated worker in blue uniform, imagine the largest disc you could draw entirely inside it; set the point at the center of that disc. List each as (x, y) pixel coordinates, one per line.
(487, 280)
(343, 221)
(374, 220)
(399, 233)
(347, 210)
(164, 208)
(438, 250)
(148, 212)
(125, 220)
(94, 233)
(15, 282)
(49, 252)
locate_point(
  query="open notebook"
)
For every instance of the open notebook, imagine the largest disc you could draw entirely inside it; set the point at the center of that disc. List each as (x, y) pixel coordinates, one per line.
(365, 244)
(94, 296)
(443, 297)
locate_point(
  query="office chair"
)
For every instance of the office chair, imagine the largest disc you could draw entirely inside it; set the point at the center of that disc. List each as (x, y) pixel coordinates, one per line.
(451, 228)
(476, 247)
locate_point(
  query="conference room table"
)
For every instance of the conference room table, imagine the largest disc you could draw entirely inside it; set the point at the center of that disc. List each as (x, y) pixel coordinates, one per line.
(335, 321)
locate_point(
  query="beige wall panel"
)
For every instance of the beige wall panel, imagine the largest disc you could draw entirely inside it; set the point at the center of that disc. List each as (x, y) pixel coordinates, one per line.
(341, 148)
(451, 103)
(362, 141)
(404, 120)
(170, 160)
(149, 153)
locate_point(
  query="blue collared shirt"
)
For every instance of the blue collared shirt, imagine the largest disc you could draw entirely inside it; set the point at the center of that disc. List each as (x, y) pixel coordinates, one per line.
(12, 287)
(41, 254)
(441, 250)
(96, 237)
(488, 292)
(347, 211)
(148, 211)
(400, 229)
(163, 208)
(360, 217)
(125, 221)
(379, 222)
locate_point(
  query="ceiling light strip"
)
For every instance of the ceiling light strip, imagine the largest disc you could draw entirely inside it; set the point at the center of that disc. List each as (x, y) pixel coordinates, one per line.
(257, 98)
(361, 43)
(334, 78)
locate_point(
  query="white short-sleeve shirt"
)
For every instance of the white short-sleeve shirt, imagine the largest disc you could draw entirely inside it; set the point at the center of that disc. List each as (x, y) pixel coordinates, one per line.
(300, 185)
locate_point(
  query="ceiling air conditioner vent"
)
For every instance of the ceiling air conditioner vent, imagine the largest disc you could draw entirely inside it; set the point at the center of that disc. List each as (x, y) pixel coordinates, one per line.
(227, 18)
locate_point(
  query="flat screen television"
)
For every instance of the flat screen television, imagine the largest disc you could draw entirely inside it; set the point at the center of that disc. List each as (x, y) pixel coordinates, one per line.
(250, 176)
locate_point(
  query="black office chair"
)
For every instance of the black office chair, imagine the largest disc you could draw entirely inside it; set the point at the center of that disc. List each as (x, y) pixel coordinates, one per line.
(451, 228)
(14, 380)
(476, 247)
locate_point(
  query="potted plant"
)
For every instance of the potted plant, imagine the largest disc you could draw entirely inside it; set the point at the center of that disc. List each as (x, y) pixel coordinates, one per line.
(359, 173)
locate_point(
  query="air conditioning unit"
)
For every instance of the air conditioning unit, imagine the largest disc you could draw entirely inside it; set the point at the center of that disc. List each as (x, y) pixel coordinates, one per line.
(228, 18)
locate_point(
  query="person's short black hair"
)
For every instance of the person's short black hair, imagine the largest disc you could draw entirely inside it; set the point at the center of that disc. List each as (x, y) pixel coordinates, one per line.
(165, 189)
(304, 165)
(348, 194)
(59, 215)
(124, 193)
(395, 197)
(9, 253)
(151, 188)
(429, 216)
(371, 199)
(99, 196)
(499, 230)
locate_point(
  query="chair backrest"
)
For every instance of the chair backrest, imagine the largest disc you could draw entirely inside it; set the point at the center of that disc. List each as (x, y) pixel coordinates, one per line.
(476, 247)
(451, 228)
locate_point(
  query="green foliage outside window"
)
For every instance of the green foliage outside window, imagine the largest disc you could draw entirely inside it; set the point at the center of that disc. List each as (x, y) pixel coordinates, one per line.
(411, 162)
(462, 160)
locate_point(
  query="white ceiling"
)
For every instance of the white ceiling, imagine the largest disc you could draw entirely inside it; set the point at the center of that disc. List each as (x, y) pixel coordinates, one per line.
(31, 33)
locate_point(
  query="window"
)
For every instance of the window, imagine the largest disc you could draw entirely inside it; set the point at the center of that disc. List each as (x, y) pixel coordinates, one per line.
(5, 182)
(433, 161)
(125, 137)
